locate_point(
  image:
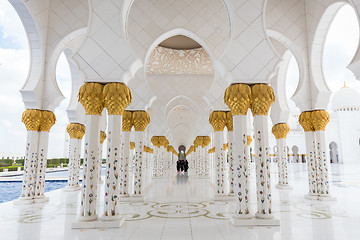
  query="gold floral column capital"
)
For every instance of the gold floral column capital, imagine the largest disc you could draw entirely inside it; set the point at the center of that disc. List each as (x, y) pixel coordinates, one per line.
(32, 119)
(249, 140)
(262, 97)
(207, 140)
(132, 145)
(140, 120)
(76, 130)
(170, 148)
(217, 120)
(117, 96)
(91, 96)
(280, 130)
(127, 121)
(305, 120)
(102, 137)
(229, 121)
(197, 142)
(155, 140)
(163, 141)
(319, 119)
(212, 150)
(238, 98)
(48, 120)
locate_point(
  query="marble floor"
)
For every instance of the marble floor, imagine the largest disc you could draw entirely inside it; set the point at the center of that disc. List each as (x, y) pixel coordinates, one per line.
(181, 207)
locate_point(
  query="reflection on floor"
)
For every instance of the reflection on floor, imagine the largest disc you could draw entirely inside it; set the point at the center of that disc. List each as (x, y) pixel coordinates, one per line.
(180, 207)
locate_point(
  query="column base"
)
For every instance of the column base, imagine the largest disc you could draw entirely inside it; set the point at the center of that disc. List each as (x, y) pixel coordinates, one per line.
(326, 197)
(113, 223)
(264, 216)
(160, 177)
(24, 201)
(202, 177)
(112, 218)
(71, 188)
(232, 194)
(320, 197)
(283, 186)
(136, 198)
(311, 196)
(41, 199)
(220, 197)
(239, 221)
(87, 219)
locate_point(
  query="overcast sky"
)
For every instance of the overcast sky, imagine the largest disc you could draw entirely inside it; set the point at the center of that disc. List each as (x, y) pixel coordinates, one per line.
(14, 60)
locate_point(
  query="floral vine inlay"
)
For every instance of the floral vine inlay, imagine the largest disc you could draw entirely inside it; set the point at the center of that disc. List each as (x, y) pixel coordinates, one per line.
(173, 61)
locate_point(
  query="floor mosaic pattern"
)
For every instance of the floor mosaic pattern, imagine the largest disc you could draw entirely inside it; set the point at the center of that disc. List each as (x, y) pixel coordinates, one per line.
(180, 207)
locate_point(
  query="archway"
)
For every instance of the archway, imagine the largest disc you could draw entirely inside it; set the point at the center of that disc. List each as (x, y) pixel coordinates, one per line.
(334, 153)
(184, 70)
(295, 152)
(340, 46)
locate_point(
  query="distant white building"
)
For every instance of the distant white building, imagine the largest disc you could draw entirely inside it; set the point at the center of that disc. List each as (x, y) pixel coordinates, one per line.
(342, 132)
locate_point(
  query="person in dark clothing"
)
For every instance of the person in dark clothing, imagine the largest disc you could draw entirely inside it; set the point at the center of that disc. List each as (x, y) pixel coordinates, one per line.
(186, 165)
(180, 165)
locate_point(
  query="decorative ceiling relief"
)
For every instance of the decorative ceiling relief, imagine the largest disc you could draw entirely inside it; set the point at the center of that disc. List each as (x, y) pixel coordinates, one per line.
(171, 61)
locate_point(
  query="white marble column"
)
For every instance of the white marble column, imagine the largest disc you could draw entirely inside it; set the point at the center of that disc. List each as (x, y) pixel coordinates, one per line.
(91, 97)
(76, 132)
(198, 159)
(35, 165)
(30, 163)
(41, 166)
(125, 158)
(231, 159)
(155, 161)
(323, 179)
(306, 123)
(141, 120)
(219, 163)
(206, 161)
(218, 120)
(242, 160)
(320, 118)
(127, 124)
(262, 97)
(99, 162)
(280, 132)
(138, 174)
(248, 153)
(112, 179)
(31, 118)
(90, 176)
(238, 98)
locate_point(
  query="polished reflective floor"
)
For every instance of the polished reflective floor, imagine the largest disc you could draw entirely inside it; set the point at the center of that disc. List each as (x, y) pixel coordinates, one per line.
(181, 207)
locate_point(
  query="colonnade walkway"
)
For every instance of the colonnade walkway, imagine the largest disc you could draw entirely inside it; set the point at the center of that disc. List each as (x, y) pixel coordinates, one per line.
(181, 207)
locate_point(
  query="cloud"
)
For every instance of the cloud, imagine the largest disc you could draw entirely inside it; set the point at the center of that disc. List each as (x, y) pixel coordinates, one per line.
(340, 47)
(11, 26)
(14, 64)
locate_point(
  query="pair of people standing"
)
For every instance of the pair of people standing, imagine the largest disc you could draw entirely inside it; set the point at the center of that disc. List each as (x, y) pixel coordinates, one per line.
(182, 164)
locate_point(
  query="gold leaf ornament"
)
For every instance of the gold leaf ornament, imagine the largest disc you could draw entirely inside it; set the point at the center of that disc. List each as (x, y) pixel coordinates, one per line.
(217, 120)
(140, 120)
(319, 119)
(76, 130)
(280, 130)
(117, 96)
(127, 121)
(91, 96)
(32, 119)
(262, 97)
(238, 98)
